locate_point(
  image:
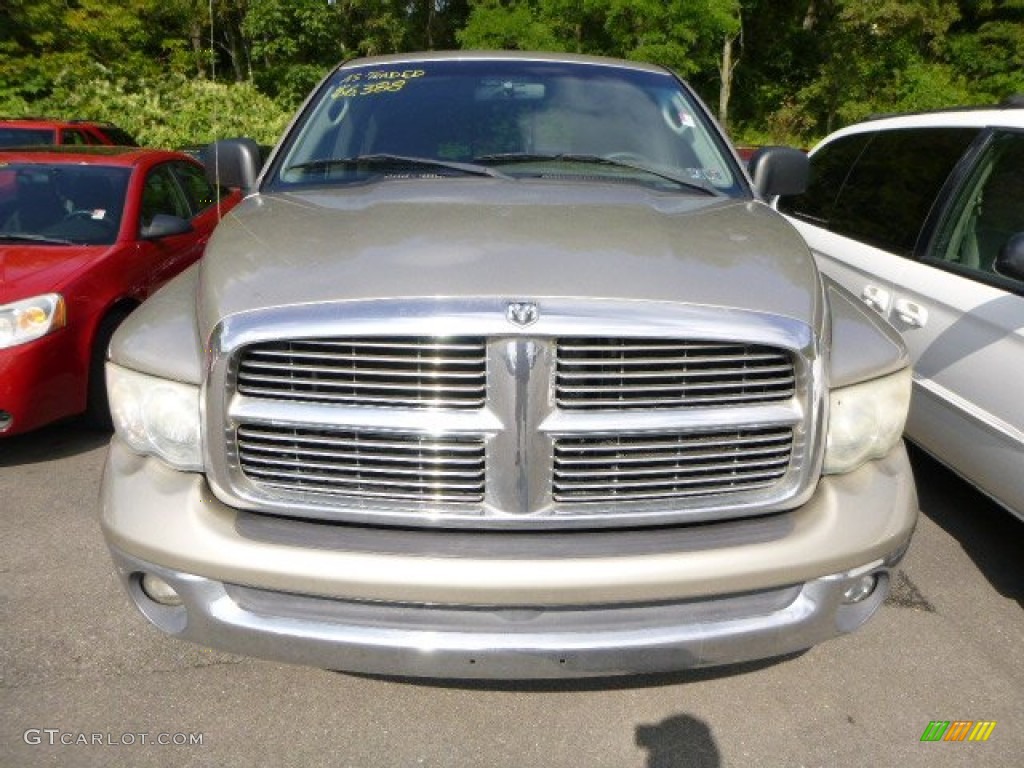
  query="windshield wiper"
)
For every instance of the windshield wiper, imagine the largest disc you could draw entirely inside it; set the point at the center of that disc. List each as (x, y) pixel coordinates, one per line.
(28, 237)
(396, 162)
(509, 158)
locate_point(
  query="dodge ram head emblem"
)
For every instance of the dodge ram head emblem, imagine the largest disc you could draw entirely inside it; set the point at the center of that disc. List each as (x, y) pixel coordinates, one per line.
(522, 313)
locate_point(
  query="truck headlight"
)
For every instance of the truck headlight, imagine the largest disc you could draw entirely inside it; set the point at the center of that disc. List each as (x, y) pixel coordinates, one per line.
(156, 416)
(29, 319)
(865, 421)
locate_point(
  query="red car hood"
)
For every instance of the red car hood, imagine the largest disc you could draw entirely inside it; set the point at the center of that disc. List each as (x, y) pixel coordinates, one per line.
(31, 270)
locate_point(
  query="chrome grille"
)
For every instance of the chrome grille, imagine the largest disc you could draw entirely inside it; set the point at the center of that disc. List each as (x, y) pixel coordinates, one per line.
(386, 372)
(361, 463)
(669, 466)
(621, 374)
(442, 413)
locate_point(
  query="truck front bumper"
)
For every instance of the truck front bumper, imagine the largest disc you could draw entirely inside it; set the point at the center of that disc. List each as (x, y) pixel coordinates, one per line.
(503, 605)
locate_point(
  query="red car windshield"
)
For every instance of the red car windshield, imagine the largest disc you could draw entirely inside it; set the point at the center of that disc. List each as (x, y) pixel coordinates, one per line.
(61, 203)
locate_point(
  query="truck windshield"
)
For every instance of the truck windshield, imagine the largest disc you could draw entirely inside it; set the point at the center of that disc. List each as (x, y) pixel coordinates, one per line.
(508, 119)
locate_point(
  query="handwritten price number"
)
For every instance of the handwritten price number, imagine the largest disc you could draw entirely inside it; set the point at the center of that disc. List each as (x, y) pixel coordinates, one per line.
(380, 81)
(368, 89)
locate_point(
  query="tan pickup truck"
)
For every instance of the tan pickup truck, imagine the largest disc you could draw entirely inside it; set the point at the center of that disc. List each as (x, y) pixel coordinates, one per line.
(505, 369)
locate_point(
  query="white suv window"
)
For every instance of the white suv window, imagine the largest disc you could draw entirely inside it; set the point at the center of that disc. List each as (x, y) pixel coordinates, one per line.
(988, 210)
(879, 188)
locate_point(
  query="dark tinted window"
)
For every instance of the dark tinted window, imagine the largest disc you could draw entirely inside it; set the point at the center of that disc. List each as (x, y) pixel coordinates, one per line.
(24, 137)
(830, 166)
(74, 137)
(201, 193)
(162, 195)
(119, 136)
(891, 189)
(884, 199)
(987, 212)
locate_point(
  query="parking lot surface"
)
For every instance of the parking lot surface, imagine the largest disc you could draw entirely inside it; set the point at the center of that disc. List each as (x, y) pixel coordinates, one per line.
(86, 682)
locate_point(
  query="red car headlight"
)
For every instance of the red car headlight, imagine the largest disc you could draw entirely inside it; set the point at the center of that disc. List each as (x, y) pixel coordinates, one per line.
(29, 319)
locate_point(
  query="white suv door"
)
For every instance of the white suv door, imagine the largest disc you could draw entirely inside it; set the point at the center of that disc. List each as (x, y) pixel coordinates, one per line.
(913, 221)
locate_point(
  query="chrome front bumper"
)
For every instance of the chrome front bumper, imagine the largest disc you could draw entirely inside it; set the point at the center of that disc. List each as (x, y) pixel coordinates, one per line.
(424, 641)
(410, 603)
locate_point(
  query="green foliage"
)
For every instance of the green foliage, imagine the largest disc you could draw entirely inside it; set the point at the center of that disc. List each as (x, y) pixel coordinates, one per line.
(992, 58)
(497, 25)
(180, 72)
(295, 42)
(168, 112)
(682, 34)
(685, 35)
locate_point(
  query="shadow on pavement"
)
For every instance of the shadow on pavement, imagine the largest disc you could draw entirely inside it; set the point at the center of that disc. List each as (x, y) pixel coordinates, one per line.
(56, 441)
(990, 535)
(678, 741)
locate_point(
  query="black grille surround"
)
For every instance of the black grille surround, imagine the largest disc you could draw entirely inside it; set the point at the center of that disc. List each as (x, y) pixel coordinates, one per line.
(515, 428)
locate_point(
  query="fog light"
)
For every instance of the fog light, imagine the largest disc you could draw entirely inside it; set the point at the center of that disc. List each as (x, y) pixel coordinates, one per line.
(159, 591)
(861, 589)
(6, 421)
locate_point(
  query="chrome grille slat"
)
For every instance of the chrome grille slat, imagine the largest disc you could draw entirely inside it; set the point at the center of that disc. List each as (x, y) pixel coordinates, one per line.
(368, 385)
(255, 365)
(681, 473)
(658, 374)
(376, 372)
(452, 453)
(383, 401)
(648, 362)
(414, 345)
(674, 493)
(654, 460)
(436, 470)
(642, 443)
(642, 467)
(637, 403)
(367, 491)
(680, 387)
(646, 374)
(363, 463)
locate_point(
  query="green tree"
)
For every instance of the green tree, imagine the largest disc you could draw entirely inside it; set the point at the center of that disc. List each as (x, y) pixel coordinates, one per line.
(779, 69)
(292, 43)
(433, 24)
(503, 25)
(685, 35)
(987, 48)
(41, 39)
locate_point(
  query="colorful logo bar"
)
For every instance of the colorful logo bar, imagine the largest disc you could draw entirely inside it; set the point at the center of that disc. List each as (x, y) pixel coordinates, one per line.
(958, 730)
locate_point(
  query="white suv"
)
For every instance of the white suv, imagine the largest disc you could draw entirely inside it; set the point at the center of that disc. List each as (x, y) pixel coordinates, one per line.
(922, 216)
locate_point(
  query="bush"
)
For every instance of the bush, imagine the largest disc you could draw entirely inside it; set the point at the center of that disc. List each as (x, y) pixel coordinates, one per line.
(171, 112)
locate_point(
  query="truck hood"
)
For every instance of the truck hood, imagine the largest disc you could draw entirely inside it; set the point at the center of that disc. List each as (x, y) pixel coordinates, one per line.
(516, 240)
(32, 270)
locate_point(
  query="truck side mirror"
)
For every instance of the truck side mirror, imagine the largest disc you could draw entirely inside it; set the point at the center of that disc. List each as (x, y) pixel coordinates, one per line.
(1010, 261)
(232, 163)
(779, 171)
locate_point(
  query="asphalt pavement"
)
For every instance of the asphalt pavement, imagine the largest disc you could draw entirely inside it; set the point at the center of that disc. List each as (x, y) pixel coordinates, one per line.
(87, 682)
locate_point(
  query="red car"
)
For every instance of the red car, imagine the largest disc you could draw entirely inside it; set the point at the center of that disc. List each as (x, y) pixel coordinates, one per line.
(86, 234)
(33, 131)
